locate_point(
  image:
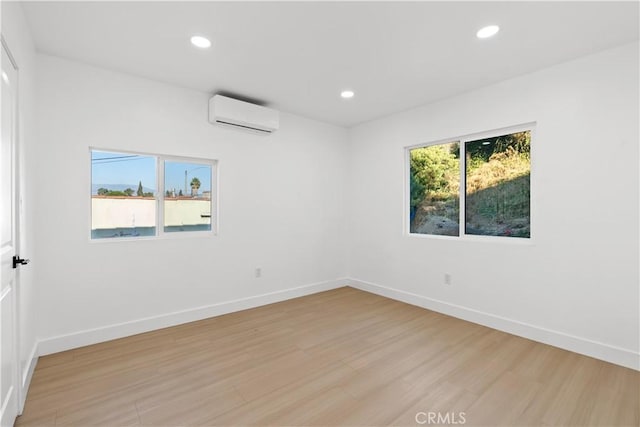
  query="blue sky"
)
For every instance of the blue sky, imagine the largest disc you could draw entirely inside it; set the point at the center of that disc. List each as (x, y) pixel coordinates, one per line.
(109, 168)
(174, 176)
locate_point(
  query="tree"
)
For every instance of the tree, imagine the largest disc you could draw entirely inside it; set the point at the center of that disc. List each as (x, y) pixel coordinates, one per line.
(195, 185)
(180, 193)
(417, 192)
(140, 192)
(434, 172)
(128, 192)
(103, 191)
(167, 193)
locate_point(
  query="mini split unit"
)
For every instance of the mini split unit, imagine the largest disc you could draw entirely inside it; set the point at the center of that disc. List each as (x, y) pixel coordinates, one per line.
(243, 115)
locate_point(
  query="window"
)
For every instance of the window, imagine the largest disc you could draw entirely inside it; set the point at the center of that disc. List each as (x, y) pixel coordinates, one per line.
(435, 183)
(482, 182)
(188, 210)
(131, 193)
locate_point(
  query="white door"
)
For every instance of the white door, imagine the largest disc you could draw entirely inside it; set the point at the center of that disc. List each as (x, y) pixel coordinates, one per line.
(8, 239)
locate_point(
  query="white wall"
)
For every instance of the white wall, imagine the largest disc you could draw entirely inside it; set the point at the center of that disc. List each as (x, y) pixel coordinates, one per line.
(17, 35)
(576, 285)
(108, 213)
(281, 208)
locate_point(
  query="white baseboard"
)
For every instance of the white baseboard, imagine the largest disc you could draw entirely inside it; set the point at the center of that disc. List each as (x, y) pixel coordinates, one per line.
(598, 350)
(121, 330)
(26, 376)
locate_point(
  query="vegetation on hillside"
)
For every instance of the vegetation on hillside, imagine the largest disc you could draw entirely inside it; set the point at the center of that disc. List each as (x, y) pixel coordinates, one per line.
(496, 185)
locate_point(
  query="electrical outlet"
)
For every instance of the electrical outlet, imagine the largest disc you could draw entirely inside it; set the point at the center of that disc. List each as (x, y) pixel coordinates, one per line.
(258, 272)
(447, 279)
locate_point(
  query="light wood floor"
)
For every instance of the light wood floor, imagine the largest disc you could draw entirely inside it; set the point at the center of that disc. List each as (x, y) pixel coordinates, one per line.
(343, 357)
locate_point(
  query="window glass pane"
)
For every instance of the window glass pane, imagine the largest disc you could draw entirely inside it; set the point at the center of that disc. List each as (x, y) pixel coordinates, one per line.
(434, 189)
(187, 198)
(123, 191)
(497, 186)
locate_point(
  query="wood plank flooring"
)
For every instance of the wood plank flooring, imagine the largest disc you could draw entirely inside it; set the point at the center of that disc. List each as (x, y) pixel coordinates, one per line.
(342, 357)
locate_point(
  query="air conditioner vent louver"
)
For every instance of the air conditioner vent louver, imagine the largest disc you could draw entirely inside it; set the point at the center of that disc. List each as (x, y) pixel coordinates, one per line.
(243, 115)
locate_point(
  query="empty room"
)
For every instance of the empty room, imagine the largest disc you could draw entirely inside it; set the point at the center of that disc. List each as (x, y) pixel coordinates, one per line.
(332, 213)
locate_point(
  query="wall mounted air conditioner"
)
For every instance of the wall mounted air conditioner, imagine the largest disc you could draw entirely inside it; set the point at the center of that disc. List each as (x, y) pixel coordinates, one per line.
(243, 115)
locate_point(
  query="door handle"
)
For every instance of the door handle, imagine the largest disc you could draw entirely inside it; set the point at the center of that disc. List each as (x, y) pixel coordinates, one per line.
(19, 261)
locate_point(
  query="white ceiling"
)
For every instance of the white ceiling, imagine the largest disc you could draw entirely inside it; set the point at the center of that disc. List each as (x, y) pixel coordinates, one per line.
(298, 56)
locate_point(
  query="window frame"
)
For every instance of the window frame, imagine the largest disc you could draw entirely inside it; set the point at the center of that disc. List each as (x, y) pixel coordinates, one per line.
(462, 140)
(160, 160)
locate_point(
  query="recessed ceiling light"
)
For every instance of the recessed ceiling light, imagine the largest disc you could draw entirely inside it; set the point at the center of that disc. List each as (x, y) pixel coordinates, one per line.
(488, 31)
(5, 77)
(201, 42)
(346, 94)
